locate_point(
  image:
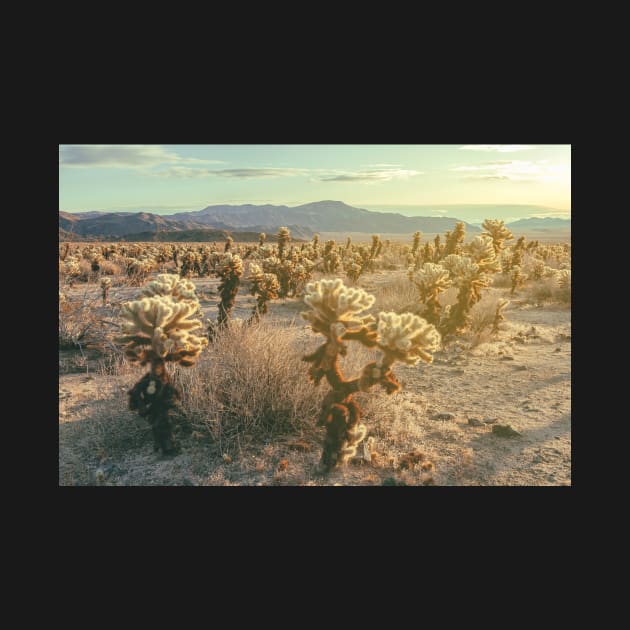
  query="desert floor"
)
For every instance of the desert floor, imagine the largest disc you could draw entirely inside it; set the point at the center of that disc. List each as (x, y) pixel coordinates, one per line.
(520, 378)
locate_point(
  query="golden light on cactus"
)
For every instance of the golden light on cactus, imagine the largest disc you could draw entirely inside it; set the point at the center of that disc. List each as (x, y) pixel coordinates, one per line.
(172, 285)
(483, 254)
(158, 330)
(407, 338)
(496, 229)
(336, 314)
(332, 302)
(159, 327)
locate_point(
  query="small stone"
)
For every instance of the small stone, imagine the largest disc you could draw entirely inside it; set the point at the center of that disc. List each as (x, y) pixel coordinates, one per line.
(300, 446)
(390, 481)
(475, 422)
(507, 357)
(489, 420)
(520, 368)
(505, 430)
(558, 350)
(458, 372)
(443, 416)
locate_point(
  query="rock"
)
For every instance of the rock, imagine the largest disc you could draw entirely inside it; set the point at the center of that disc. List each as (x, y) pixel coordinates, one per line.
(505, 430)
(520, 368)
(364, 451)
(390, 481)
(443, 416)
(507, 357)
(458, 372)
(475, 422)
(300, 446)
(489, 420)
(558, 350)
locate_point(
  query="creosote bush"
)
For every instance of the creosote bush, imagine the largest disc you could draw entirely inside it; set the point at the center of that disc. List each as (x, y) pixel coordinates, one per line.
(336, 314)
(249, 384)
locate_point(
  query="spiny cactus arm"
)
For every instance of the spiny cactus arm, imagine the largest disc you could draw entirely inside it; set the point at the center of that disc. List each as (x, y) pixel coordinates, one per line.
(407, 338)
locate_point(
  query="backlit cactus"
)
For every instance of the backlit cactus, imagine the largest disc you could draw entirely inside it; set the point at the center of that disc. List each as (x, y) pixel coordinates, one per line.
(284, 236)
(431, 280)
(230, 270)
(454, 240)
(499, 233)
(336, 313)
(483, 254)
(416, 242)
(167, 284)
(158, 330)
(265, 288)
(469, 278)
(106, 285)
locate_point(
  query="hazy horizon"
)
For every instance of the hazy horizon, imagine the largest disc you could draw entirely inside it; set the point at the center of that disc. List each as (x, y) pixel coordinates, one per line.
(409, 179)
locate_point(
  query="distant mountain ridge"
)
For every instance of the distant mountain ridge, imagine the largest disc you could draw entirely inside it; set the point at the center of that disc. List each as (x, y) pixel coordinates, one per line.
(303, 221)
(319, 216)
(535, 224)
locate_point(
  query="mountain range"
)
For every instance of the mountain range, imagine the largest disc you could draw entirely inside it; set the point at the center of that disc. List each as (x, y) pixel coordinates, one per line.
(303, 221)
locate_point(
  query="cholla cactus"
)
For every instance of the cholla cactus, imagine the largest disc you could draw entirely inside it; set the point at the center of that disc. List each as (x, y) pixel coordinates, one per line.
(499, 233)
(265, 287)
(71, 269)
(284, 236)
(228, 244)
(179, 289)
(432, 279)
(262, 237)
(158, 330)
(483, 254)
(336, 313)
(498, 315)
(455, 239)
(230, 270)
(564, 278)
(468, 277)
(416, 242)
(106, 285)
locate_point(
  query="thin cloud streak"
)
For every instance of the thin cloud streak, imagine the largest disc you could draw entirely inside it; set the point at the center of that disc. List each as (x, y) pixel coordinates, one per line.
(499, 148)
(122, 156)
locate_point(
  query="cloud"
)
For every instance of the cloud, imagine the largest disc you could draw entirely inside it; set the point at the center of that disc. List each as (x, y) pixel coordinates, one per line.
(242, 173)
(122, 156)
(500, 148)
(514, 170)
(372, 175)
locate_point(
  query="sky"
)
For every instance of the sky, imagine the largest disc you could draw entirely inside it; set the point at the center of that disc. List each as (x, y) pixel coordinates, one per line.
(402, 178)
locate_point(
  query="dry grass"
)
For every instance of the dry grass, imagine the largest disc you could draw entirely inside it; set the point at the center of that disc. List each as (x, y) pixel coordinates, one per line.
(547, 290)
(400, 296)
(251, 383)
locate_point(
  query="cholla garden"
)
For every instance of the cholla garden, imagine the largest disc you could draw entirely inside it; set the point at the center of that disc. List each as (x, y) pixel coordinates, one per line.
(164, 325)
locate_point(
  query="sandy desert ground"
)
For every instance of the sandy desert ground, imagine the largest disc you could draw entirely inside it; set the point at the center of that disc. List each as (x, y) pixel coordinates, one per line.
(442, 429)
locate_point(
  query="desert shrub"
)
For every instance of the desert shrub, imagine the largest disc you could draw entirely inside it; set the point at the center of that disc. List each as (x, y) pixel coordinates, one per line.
(554, 287)
(250, 383)
(79, 325)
